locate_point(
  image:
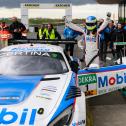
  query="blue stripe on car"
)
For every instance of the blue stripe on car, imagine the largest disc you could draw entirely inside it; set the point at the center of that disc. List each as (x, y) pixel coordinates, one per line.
(103, 69)
(65, 103)
(14, 89)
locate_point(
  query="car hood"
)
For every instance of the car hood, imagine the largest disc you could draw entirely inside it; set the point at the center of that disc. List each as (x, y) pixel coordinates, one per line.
(15, 89)
(37, 96)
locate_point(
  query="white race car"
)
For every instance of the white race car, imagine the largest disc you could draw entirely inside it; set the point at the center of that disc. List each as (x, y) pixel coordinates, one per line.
(39, 88)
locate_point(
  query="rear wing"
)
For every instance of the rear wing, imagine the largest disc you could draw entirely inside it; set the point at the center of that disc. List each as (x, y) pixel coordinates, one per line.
(37, 41)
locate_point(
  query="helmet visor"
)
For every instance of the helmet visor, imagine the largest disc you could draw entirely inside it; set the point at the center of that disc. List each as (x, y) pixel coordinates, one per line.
(90, 24)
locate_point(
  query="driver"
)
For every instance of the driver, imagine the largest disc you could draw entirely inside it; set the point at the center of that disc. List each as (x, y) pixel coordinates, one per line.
(93, 37)
(91, 48)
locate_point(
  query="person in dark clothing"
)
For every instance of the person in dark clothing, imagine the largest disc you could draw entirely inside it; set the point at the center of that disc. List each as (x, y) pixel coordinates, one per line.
(107, 35)
(118, 36)
(69, 34)
(16, 28)
(51, 33)
(109, 30)
(101, 39)
(124, 28)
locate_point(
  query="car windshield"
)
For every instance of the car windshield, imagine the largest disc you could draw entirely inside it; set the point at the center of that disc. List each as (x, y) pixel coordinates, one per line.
(39, 63)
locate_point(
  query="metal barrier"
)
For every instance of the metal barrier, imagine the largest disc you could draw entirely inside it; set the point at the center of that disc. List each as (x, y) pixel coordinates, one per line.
(121, 43)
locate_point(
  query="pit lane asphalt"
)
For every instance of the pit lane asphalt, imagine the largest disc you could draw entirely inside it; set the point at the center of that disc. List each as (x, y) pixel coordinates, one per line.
(108, 109)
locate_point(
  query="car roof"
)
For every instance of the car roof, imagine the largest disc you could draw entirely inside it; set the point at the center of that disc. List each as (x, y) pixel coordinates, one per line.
(34, 47)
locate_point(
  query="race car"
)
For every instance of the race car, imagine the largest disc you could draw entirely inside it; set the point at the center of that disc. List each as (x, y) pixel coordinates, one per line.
(39, 87)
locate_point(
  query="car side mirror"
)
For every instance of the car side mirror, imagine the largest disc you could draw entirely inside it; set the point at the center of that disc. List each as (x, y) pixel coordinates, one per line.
(74, 66)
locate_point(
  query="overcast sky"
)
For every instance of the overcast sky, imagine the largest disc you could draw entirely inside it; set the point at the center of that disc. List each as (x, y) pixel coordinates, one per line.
(16, 3)
(80, 9)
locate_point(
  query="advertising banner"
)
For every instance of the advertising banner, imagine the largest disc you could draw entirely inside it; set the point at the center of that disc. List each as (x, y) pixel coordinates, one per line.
(103, 80)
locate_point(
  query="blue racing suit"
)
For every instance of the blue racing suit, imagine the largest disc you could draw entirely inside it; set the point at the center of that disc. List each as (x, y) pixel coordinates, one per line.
(70, 34)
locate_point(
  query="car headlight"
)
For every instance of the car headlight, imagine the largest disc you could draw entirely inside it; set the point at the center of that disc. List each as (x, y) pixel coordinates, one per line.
(64, 118)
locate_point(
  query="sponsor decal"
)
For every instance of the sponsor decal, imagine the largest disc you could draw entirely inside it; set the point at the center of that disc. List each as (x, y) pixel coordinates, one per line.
(90, 38)
(102, 83)
(49, 89)
(41, 111)
(9, 117)
(9, 98)
(91, 92)
(112, 82)
(26, 49)
(78, 123)
(29, 51)
(47, 92)
(106, 81)
(44, 97)
(87, 79)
